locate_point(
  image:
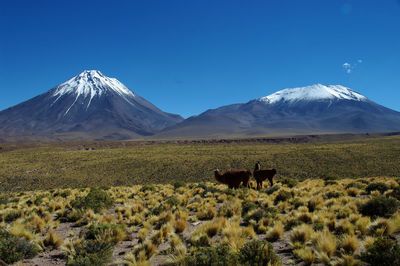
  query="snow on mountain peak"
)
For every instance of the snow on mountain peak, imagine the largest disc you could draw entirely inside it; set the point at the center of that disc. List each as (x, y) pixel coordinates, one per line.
(91, 83)
(313, 92)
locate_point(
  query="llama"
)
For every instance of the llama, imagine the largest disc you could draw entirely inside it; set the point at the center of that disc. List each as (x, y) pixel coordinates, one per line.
(234, 178)
(261, 175)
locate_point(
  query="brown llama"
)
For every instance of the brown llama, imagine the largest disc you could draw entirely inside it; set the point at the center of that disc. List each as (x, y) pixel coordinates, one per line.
(261, 175)
(234, 178)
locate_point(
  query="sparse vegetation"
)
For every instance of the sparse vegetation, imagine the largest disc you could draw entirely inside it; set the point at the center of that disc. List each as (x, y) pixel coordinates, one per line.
(326, 221)
(321, 223)
(61, 165)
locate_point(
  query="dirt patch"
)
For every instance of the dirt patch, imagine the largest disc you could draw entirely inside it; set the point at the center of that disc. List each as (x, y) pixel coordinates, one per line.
(54, 257)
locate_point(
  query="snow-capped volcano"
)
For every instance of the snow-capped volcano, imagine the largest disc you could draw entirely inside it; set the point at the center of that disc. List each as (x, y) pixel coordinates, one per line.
(90, 84)
(305, 110)
(89, 105)
(312, 93)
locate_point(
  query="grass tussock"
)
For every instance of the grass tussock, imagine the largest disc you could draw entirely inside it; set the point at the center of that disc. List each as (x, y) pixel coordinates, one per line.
(53, 240)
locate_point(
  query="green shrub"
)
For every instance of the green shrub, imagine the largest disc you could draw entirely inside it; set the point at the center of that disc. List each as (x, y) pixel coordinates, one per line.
(90, 252)
(248, 206)
(65, 193)
(332, 194)
(172, 201)
(292, 223)
(257, 215)
(382, 252)
(258, 252)
(204, 256)
(381, 187)
(242, 193)
(203, 241)
(39, 200)
(296, 202)
(13, 249)
(158, 209)
(355, 184)
(254, 252)
(290, 182)
(107, 232)
(328, 177)
(379, 206)
(3, 199)
(148, 188)
(11, 216)
(270, 190)
(330, 182)
(96, 200)
(70, 215)
(179, 183)
(282, 196)
(208, 189)
(318, 226)
(395, 193)
(230, 207)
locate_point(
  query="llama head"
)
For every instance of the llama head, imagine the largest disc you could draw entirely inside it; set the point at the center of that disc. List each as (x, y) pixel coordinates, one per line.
(216, 171)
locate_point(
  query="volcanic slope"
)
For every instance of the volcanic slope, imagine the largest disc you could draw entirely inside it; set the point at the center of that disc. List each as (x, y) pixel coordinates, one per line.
(304, 110)
(87, 106)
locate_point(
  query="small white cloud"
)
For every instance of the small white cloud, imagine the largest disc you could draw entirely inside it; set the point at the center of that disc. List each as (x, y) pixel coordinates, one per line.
(346, 65)
(349, 67)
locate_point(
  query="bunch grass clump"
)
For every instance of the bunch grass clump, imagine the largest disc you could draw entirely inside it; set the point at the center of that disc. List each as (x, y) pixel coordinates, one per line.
(230, 207)
(275, 232)
(258, 252)
(88, 252)
(300, 234)
(350, 244)
(53, 240)
(325, 242)
(111, 233)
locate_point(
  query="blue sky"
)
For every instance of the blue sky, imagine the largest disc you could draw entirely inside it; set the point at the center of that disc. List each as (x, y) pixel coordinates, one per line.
(187, 56)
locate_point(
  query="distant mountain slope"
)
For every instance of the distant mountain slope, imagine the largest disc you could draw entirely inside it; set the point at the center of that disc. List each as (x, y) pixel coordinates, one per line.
(89, 105)
(304, 110)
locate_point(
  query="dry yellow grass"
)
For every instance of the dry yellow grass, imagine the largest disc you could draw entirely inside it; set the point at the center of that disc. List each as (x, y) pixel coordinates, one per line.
(350, 244)
(328, 231)
(53, 239)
